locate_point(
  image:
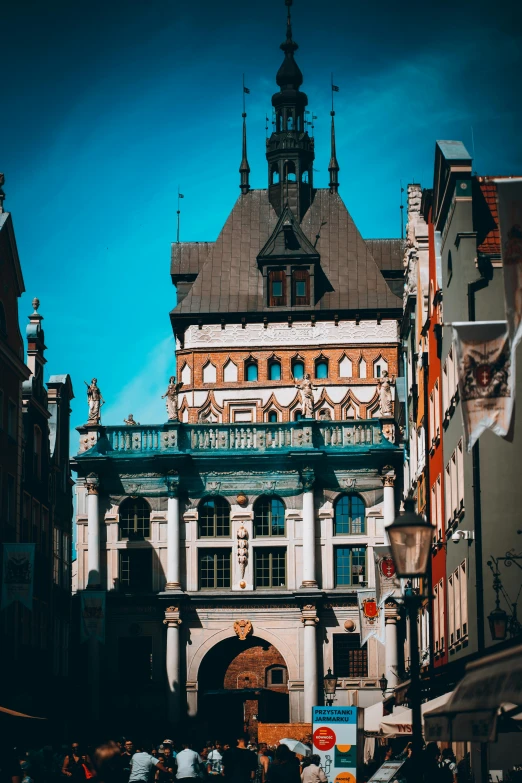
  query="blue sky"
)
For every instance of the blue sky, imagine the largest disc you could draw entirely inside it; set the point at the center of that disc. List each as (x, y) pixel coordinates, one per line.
(107, 107)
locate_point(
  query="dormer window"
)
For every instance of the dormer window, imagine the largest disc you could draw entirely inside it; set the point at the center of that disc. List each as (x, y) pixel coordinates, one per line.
(276, 288)
(300, 287)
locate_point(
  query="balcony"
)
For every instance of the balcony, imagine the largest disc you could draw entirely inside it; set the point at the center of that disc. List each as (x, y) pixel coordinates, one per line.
(263, 438)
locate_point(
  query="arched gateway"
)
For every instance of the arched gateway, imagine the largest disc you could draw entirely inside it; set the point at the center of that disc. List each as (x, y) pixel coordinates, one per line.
(240, 683)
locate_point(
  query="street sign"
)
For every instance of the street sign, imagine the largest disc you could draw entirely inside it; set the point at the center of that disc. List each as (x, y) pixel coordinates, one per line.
(334, 737)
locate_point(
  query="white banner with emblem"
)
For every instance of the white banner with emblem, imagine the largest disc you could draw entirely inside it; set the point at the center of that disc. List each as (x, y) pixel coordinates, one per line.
(486, 373)
(371, 616)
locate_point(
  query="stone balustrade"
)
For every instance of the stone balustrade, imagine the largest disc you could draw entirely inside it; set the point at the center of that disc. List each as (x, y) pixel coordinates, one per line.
(306, 434)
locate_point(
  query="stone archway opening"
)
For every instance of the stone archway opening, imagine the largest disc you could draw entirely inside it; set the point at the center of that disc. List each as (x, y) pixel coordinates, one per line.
(240, 684)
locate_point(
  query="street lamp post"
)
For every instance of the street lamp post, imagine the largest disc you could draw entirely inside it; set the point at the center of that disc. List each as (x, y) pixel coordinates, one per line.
(410, 541)
(330, 686)
(383, 682)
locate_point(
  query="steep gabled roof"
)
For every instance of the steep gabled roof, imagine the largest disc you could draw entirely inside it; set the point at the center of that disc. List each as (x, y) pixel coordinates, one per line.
(230, 281)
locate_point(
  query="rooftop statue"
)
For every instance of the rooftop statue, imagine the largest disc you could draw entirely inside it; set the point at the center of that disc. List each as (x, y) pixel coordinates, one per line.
(385, 395)
(172, 398)
(306, 395)
(95, 401)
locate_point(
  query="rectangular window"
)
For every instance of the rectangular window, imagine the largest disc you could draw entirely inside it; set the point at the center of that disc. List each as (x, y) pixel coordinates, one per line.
(436, 617)
(300, 287)
(432, 418)
(463, 598)
(454, 490)
(445, 387)
(11, 419)
(442, 615)
(270, 567)
(136, 569)
(460, 474)
(349, 658)
(350, 565)
(451, 611)
(214, 568)
(276, 288)
(440, 525)
(447, 493)
(437, 408)
(456, 599)
(434, 519)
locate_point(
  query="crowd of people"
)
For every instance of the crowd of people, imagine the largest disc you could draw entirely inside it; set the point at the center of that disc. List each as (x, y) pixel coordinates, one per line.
(129, 761)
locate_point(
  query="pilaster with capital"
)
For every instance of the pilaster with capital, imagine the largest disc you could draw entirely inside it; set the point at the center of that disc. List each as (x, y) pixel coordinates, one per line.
(391, 651)
(173, 532)
(388, 480)
(309, 619)
(307, 480)
(173, 621)
(92, 483)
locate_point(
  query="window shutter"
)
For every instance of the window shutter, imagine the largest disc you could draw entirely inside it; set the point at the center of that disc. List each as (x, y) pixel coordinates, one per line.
(299, 275)
(277, 276)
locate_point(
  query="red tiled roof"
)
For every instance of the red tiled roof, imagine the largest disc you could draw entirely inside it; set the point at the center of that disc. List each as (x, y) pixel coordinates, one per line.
(488, 235)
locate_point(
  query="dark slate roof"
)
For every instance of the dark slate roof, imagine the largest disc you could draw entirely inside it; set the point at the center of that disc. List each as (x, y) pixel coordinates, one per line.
(231, 282)
(388, 254)
(187, 258)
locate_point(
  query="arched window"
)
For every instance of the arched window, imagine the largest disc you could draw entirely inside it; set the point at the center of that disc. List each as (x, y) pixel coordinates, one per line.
(274, 370)
(349, 516)
(272, 417)
(269, 517)
(134, 519)
(276, 675)
(321, 368)
(251, 370)
(209, 373)
(290, 171)
(298, 415)
(274, 175)
(298, 369)
(379, 366)
(214, 518)
(304, 176)
(230, 372)
(290, 122)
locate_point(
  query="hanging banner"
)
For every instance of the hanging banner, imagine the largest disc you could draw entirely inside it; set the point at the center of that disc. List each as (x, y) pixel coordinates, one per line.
(387, 583)
(18, 574)
(371, 616)
(509, 194)
(334, 737)
(486, 374)
(92, 610)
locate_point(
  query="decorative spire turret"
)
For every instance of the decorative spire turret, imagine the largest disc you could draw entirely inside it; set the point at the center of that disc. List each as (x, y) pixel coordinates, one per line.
(290, 150)
(244, 168)
(333, 166)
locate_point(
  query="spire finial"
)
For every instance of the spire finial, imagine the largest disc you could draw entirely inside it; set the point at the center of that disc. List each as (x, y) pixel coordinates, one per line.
(333, 166)
(244, 169)
(288, 4)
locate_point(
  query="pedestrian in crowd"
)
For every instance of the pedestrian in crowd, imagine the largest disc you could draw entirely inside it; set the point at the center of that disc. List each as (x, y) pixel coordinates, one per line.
(388, 753)
(448, 766)
(263, 763)
(285, 768)
(107, 763)
(215, 760)
(312, 771)
(127, 753)
(188, 763)
(142, 764)
(77, 765)
(464, 769)
(430, 763)
(169, 763)
(239, 763)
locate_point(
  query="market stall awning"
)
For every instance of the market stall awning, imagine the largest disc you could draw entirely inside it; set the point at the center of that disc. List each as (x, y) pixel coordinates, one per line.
(400, 723)
(490, 687)
(374, 715)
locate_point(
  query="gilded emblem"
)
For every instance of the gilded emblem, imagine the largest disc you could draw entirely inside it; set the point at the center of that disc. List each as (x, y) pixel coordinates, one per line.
(243, 628)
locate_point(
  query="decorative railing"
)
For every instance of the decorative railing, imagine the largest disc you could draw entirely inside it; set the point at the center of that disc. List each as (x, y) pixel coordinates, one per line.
(260, 437)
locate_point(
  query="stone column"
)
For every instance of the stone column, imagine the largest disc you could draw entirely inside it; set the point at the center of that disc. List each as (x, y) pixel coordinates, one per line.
(388, 480)
(92, 483)
(391, 649)
(173, 660)
(173, 538)
(310, 620)
(309, 579)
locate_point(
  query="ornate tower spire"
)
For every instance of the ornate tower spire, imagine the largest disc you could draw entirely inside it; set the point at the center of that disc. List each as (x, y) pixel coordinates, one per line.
(290, 150)
(333, 166)
(244, 169)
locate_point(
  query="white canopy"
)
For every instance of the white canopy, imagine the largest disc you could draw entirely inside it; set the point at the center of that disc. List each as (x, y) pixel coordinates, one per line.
(400, 723)
(374, 715)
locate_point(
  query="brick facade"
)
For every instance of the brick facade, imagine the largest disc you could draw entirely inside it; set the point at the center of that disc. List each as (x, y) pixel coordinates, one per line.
(250, 669)
(271, 733)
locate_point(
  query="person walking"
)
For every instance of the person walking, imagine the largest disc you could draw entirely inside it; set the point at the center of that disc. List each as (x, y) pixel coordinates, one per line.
(77, 765)
(215, 760)
(239, 763)
(448, 766)
(125, 759)
(188, 763)
(313, 772)
(166, 758)
(142, 764)
(263, 763)
(285, 768)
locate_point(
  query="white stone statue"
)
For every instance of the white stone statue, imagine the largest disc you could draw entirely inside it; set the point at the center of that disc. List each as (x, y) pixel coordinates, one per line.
(95, 401)
(306, 395)
(385, 395)
(172, 398)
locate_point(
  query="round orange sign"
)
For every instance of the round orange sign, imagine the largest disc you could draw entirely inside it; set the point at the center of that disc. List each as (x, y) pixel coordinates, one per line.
(324, 738)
